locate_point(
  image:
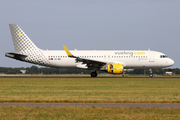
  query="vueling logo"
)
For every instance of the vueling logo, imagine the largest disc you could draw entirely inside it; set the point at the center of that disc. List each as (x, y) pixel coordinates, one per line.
(139, 53)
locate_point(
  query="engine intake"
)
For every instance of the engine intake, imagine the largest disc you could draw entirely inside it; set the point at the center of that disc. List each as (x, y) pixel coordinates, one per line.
(115, 68)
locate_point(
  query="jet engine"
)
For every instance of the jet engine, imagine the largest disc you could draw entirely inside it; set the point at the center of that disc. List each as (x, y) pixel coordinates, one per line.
(115, 68)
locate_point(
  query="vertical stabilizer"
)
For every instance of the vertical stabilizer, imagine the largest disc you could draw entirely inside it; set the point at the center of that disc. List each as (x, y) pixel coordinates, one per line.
(22, 43)
(25, 49)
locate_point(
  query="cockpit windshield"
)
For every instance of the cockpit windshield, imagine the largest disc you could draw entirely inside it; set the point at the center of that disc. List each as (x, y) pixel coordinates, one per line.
(163, 56)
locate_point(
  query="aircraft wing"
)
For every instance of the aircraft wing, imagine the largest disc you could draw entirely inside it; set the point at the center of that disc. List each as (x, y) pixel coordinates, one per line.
(91, 63)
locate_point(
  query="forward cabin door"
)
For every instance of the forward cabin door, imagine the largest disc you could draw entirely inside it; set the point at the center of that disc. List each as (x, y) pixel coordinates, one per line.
(151, 56)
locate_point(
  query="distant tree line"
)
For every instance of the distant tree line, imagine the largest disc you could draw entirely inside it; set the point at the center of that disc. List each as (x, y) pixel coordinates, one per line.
(47, 70)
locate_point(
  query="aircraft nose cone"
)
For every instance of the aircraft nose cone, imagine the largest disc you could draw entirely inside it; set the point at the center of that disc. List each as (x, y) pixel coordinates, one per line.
(171, 62)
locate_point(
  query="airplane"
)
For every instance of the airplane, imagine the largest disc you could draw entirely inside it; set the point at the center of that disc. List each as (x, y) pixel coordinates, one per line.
(111, 61)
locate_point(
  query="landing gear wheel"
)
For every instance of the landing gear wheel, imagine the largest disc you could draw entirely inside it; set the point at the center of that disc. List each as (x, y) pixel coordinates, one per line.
(151, 75)
(93, 74)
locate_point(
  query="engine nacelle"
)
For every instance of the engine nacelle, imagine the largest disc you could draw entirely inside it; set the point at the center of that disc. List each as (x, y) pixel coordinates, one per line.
(115, 68)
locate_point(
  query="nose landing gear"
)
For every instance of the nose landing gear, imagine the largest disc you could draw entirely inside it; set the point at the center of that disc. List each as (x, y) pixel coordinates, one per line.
(150, 73)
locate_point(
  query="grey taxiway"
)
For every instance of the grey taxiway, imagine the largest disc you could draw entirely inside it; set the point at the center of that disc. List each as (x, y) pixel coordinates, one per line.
(124, 105)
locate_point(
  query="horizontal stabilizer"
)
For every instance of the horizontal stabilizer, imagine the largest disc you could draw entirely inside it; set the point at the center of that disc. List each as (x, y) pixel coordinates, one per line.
(16, 56)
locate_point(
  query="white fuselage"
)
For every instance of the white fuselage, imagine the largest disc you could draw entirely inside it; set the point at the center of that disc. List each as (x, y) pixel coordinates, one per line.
(129, 59)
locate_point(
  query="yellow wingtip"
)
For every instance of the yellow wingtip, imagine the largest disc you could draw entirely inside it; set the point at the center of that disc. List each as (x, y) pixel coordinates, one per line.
(67, 51)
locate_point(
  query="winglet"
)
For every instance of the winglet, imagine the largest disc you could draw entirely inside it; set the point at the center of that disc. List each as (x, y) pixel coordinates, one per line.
(67, 51)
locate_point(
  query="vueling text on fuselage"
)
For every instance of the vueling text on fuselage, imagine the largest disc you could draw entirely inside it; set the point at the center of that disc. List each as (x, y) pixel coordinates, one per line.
(130, 53)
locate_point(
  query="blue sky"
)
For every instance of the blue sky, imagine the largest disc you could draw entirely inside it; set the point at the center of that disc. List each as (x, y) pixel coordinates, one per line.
(93, 25)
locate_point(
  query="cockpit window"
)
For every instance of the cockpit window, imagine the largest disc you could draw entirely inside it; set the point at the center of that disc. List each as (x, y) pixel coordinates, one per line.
(163, 56)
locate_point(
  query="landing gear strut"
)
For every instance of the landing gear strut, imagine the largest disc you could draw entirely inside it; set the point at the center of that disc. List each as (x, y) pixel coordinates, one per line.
(150, 73)
(94, 74)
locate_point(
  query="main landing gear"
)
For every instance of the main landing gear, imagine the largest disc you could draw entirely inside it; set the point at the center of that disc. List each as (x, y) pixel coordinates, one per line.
(94, 74)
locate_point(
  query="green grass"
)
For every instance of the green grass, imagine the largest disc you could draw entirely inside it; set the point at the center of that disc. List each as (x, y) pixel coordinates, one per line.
(84, 113)
(96, 90)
